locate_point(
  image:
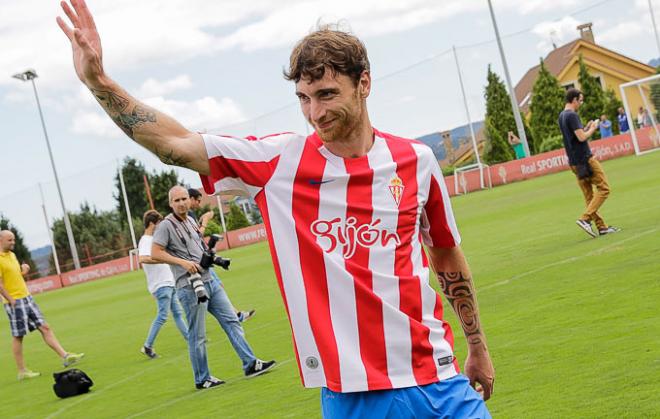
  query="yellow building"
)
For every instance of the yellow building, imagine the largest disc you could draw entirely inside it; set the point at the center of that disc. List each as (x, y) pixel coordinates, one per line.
(609, 67)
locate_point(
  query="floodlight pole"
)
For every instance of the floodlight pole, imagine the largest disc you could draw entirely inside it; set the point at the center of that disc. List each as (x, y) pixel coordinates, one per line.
(467, 114)
(128, 208)
(655, 28)
(514, 105)
(30, 75)
(50, 231)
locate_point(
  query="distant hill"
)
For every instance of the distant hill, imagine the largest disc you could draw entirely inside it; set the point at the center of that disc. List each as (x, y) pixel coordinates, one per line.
(654, 62)
(41, 258)
(459, 136)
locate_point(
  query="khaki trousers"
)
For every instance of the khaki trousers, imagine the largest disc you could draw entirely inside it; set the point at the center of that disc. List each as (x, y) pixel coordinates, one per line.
(594, 200)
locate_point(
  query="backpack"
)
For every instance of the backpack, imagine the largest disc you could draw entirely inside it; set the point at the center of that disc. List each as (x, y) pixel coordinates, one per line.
(71, 383)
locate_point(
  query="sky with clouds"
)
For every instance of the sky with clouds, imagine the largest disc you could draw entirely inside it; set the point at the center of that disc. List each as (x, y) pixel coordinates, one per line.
(217, 66)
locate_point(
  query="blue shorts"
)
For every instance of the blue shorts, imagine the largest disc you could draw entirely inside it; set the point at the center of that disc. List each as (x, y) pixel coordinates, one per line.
(452, 398)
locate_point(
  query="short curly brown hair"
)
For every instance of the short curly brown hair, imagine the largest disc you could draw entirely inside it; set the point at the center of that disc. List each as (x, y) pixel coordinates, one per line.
(151, 217)
(327, 48)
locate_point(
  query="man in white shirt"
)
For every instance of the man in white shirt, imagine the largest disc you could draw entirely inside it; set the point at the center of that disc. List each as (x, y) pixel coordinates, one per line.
(160, 283)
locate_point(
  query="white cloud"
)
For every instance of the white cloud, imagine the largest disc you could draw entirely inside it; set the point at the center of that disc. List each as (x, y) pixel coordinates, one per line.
(94, 123)
(200, 114)
(152, 87)
(559, 32)
(621, 32)
(527, 7)
(145, 32)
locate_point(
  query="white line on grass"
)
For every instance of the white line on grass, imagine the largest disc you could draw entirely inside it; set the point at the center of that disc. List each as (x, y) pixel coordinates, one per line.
(565, 261)
(195, 394)
(176, 358)
(115, 384)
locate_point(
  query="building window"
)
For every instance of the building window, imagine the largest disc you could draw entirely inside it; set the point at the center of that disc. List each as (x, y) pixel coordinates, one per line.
(568, 86)
(600, 81)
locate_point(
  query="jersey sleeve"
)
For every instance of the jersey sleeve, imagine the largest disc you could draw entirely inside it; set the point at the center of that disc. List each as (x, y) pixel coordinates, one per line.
(438, 226)
(242, 164)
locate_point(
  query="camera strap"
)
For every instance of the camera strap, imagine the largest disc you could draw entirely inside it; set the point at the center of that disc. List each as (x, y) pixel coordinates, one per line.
(180, 224)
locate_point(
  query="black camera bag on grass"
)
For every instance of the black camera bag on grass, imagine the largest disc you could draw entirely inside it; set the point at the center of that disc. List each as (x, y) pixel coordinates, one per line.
(71, 383)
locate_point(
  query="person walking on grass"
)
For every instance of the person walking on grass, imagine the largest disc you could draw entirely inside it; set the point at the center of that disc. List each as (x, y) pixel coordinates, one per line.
(160, 283)
(195, 204)
(178, 242)
(348, 211)
(23, 312)
(589, 172)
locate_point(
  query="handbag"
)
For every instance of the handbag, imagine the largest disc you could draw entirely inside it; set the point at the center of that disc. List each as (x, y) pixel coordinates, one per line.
(71, 383)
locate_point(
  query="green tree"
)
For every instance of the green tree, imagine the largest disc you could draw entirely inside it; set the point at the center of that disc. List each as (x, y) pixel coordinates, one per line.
(161, 183)
(594, 97)
(97, 233)
(499, 121)
(212, 228)
(612, 105)
(547, 103)
(255, 216)
(20, 249)
(236, 219)
(134, 173)
(655, 95)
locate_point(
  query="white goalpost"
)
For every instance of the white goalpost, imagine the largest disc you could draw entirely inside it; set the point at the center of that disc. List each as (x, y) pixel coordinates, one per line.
(462, 181)
(134, 259)
(645, 139)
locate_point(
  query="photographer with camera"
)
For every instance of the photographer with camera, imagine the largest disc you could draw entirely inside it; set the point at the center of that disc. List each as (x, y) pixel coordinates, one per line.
(178, 242)
(195, 204)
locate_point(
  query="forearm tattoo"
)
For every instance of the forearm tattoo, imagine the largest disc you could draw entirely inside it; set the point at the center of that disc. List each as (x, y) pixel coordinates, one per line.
(118, 109)
(460, 294)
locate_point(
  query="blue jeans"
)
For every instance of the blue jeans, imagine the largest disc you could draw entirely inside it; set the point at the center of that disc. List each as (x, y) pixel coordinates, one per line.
(167, 301)
(214, 275)
(220, 307)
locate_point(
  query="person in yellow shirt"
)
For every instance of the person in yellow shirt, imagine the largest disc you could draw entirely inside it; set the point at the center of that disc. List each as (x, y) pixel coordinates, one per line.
(23, 312)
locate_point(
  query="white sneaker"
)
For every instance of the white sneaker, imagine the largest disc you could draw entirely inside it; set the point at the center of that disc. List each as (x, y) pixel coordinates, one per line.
(586, 226)
(27, 374)
(246, 315)
(608, 230)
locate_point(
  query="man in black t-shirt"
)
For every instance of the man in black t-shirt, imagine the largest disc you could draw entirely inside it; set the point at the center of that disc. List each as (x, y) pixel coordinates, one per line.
(587, 169)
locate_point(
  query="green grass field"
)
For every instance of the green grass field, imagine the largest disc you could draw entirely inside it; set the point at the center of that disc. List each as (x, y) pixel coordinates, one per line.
(573, 323)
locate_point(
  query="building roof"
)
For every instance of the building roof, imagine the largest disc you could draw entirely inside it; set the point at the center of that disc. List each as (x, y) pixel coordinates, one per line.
(556, 61)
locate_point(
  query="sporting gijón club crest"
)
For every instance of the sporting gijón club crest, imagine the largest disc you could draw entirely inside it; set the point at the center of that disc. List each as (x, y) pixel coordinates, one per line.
(396, 189)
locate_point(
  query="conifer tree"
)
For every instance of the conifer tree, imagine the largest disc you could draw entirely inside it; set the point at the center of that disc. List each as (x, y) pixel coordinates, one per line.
(499, 121)
(612, 105)
(547, 103)
(236, 218)
(594, 97)
(655, 95)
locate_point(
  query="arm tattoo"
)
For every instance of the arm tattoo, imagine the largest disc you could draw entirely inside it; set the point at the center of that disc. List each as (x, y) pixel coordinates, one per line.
(460, 294)
(117, 107)
(171, 158)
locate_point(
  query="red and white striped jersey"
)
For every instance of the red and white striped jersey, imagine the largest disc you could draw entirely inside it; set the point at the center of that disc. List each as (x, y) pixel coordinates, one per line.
(346, 241)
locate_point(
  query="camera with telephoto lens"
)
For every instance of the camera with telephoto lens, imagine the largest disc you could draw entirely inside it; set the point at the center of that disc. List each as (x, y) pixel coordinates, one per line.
(197, 285)
(209, 258)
